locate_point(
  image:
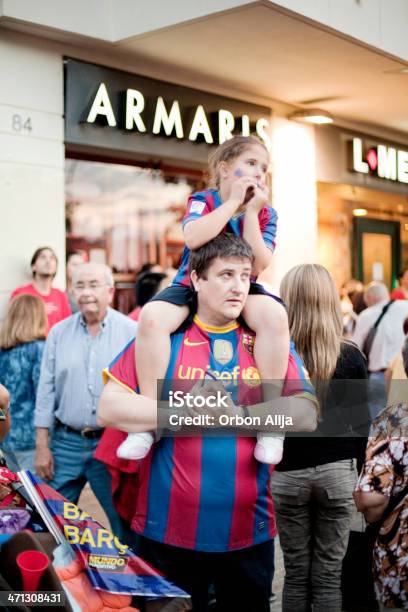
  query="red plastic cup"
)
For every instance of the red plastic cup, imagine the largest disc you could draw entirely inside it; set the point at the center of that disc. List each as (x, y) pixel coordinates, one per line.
(32, 565)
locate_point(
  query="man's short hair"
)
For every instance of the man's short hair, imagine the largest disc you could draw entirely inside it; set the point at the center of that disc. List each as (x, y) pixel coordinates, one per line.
(38, 252)
(107, 272)
(226, 246)
(376, 291)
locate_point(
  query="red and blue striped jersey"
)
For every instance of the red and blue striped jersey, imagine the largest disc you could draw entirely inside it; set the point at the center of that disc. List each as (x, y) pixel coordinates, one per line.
(204, 202)
(207, 493)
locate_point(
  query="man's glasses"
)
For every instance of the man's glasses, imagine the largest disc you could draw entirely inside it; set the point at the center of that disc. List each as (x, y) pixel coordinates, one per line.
(93, 285)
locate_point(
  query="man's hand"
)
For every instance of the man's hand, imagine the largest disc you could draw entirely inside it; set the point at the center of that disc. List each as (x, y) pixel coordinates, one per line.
(212, 388)
(44, 462)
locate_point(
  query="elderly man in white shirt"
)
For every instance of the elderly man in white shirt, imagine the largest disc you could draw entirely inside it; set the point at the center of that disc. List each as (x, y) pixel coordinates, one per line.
(387, 341)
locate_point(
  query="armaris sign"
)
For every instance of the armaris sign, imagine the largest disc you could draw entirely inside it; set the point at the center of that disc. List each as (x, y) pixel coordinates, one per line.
(381, 160)
(142, 113)
(169, 120)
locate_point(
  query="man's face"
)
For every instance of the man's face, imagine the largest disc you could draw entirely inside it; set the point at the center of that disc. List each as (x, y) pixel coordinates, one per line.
(222, 294)
(91, 291)
(45, 264)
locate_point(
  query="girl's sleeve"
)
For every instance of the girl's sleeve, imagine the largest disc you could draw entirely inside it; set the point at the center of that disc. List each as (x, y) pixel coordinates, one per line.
(268, 221)
(198, 205)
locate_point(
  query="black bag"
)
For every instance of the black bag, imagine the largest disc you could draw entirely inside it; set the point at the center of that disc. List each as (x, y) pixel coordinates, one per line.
(357, 582)
(368, 342)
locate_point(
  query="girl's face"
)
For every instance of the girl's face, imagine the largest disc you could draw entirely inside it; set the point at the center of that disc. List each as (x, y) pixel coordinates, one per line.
(253, 162)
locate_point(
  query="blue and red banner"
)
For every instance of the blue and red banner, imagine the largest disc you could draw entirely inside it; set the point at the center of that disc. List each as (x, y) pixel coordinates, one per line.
(110, 565)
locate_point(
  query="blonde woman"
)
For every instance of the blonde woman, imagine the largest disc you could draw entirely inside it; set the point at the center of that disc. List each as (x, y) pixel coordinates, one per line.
(21, 345)
(313, 485)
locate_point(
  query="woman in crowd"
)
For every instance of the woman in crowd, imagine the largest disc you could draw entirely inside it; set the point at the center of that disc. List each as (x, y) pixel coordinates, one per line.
(21, 346)
(313, 485)
(382, 494)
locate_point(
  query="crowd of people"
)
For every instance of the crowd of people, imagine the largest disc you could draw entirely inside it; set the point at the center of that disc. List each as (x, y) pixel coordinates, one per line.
(205, 508)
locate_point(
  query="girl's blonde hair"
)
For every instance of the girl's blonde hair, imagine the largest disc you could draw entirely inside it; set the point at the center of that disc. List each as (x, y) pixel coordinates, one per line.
(315, 320)
(227, 152)
(25, 321)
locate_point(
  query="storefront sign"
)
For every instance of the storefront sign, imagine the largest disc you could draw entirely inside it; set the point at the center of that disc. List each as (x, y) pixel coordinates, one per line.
(114, 109)
(383, 161)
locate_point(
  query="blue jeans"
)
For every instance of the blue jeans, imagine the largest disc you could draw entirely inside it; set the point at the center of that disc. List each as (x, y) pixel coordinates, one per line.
(74, 466)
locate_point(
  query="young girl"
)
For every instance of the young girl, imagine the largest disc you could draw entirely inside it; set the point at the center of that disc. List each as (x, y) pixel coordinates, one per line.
(238, 205)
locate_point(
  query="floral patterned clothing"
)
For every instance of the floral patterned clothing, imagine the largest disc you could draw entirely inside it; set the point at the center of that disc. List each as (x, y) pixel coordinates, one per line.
(386, 472)
(19, 373)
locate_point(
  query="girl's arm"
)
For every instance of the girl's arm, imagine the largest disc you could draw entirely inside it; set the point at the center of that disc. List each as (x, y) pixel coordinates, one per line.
(252, 230)
(253, 235)
(200, 231)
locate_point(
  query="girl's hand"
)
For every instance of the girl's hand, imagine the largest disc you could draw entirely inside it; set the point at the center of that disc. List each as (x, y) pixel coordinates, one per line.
(259, 199)
(242, 190)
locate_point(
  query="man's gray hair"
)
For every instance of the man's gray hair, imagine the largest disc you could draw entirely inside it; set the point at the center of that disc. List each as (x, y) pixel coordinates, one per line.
(405, 355)
(107, 272)
(376, 292)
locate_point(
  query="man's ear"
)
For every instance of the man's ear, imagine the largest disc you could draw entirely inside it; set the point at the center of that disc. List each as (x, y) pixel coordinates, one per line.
(111, 294)
(195, 280)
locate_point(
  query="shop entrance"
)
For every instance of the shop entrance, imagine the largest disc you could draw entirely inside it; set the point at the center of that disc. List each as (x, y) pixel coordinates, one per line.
(377, 249)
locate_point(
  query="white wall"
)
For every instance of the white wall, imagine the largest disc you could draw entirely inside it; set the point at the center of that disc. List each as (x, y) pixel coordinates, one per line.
(380, 23)
(294, 197)
(31, 162)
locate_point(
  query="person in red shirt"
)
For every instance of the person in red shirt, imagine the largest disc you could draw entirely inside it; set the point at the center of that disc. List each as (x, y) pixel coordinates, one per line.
(401, 292)
(44, 264)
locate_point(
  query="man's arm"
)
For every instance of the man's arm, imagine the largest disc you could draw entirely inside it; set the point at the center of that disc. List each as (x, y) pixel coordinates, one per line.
(371, 503)
(300, 408)
(44, 410)
(361, 330)
(125, 410)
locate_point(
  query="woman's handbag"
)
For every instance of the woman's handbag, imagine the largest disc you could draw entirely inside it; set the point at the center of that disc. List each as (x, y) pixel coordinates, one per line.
(357, 583)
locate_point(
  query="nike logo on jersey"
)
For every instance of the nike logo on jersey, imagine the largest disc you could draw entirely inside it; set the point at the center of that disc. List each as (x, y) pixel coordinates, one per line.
(187, 342)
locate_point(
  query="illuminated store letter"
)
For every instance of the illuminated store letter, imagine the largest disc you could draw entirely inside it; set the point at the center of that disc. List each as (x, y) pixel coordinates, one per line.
(358, 164)
(387, 162)
(169, 121)
(226, 123)
(262, 126)
(245, 125)
(135, 104)
(102, 106)
(200, 126)
(403, 166)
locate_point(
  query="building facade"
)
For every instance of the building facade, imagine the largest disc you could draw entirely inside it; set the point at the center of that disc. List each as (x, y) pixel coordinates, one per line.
(107, 118)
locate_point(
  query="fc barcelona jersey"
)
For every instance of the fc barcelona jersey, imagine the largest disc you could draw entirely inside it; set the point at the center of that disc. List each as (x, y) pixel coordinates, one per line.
(204, 202)
(208, 493)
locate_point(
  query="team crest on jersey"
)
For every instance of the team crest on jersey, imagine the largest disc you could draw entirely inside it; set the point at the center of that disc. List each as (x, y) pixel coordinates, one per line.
(251, 377)
(197, 207)
(223, 351)
(248, 341)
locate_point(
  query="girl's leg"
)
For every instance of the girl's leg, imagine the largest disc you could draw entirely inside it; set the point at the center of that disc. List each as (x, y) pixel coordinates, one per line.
(157, 321)
(268, 319)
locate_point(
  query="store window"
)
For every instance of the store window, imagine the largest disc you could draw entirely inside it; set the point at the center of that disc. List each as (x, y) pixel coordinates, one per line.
(126, 215)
